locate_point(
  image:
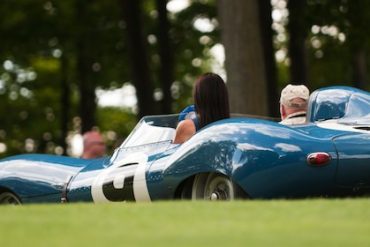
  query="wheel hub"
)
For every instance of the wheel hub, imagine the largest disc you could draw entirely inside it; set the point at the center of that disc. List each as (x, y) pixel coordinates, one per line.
(212, 187)
(214, 196)
(220, 193)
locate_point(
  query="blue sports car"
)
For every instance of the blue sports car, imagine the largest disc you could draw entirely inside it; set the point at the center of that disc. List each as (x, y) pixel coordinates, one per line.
(234, 158)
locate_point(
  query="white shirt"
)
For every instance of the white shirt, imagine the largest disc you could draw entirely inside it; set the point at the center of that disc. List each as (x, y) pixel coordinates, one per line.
(295, 118)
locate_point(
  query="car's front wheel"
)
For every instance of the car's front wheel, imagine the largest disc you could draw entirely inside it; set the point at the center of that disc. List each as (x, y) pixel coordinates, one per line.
(9, 198)
(214, 186)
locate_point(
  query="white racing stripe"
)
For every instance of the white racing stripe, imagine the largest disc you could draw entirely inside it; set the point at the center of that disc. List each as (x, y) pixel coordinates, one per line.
(140, 189)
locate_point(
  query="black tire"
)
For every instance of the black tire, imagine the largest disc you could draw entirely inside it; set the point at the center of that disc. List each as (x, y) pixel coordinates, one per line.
(214, 187)
(9, 198)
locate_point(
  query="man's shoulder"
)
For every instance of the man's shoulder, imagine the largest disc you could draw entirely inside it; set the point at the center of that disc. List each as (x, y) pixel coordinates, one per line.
(292, 121)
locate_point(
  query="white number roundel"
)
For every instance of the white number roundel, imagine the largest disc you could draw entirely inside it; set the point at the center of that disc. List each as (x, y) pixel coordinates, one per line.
(123, 180)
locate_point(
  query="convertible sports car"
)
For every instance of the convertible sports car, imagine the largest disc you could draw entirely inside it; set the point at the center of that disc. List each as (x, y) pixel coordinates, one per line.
(234, 158)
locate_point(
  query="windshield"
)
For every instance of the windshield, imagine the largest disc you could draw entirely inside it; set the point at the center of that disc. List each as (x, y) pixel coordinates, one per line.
(343, 104)
(358, 107)
(357, 112)
(152, 129)
(328, 104)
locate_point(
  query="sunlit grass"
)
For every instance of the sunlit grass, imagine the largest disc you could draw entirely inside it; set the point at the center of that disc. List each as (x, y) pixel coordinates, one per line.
(244, 223)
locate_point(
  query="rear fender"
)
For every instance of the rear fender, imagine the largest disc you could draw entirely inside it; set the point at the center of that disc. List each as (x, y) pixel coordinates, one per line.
(263, 158)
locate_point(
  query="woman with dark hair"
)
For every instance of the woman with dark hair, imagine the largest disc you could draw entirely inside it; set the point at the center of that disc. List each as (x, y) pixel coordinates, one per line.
(211, 104)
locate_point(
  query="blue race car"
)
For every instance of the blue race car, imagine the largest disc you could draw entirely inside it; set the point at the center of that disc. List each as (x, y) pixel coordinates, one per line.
(234, 158)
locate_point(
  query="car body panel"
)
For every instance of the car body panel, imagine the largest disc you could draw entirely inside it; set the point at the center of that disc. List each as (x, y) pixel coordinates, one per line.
(264, 152)
(264, 158)
(354, 162)
(47, 174)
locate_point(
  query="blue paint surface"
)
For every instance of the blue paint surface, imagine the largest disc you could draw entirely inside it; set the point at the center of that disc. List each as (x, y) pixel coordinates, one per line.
(266, 159)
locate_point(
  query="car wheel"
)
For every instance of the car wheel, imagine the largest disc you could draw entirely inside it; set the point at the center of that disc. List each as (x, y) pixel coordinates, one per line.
(213, 186)
(9, 198)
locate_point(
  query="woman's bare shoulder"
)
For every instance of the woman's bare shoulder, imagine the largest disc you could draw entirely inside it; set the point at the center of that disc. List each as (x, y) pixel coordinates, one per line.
(185, 129)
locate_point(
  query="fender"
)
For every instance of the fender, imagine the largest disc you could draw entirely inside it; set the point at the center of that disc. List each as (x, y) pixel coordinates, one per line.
(253, 153)
(38, 175)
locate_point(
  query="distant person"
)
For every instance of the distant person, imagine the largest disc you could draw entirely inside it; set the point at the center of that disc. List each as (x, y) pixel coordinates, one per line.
(93, 145)
(211, 103)
(293, 104)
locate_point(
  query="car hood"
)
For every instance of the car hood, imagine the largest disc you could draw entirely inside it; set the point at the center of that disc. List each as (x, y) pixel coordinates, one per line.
(37, 174)
(52, 159)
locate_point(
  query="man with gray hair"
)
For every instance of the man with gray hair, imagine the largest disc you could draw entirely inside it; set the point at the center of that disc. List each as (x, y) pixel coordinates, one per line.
(293, 104)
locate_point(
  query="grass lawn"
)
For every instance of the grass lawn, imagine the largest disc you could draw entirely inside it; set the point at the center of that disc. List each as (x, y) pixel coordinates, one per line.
(319, 222)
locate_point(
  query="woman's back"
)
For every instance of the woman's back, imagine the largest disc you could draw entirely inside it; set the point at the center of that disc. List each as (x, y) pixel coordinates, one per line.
(211, 104)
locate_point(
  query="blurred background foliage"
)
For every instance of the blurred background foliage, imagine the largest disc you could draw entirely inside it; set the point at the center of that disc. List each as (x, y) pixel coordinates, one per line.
(55, 56)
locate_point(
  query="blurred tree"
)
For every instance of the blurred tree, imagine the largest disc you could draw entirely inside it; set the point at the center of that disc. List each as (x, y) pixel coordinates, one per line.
(65, 101)
(245, 65)
(265, 13)
(358, 38)
(115, 124)
(166, 55)
(339, 44)
(138, 56)
(41, 68)
(298, 31)
(31, 111)
(85, 34)
(56, 54)
(194, 32)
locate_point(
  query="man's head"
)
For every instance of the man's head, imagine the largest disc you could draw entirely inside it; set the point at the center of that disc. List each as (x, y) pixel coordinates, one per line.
(294, 98)
(94, 146)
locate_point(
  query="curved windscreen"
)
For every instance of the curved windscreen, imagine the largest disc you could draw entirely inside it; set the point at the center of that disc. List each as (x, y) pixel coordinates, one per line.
(357, 111)
(344, 103)
(358, 107)
(152, 129)
(328, 104)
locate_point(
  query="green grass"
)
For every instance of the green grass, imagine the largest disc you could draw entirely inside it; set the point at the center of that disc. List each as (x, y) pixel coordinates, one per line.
(242, 223)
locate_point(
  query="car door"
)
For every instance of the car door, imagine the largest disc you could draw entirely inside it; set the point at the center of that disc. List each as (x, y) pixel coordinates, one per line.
(353, 160)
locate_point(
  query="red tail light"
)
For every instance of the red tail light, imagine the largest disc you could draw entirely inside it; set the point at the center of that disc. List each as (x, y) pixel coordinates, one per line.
(318, 159)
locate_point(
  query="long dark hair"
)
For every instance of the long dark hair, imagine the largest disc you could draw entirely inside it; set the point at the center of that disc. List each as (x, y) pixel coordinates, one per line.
(211, 99)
